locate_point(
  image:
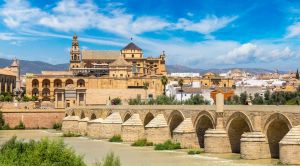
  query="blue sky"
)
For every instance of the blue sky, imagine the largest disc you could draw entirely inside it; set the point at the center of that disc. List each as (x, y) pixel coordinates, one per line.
(195, 33)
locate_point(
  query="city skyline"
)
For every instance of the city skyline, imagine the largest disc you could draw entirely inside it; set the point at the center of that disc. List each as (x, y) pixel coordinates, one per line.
(210, 34)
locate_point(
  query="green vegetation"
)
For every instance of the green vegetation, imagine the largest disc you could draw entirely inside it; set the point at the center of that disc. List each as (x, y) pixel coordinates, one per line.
(275, 98)
(57, 126)
(5, 127)
(168, 145)
(165, 100)
(45, 152)
(297, 75)
(116, 101)
(180, 83)
(142, 142)
(194, 151)
(20, 126)
(109, 160)
(71, 134)
(6, 97)
(116, 138)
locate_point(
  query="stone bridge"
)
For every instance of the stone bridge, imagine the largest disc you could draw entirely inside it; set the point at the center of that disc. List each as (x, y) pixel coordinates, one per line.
(256, 132)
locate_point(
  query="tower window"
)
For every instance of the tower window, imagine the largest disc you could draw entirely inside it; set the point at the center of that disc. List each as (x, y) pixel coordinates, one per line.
(132, 55)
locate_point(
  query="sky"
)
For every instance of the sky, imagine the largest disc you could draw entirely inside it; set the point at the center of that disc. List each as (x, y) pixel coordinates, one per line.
(202, 34)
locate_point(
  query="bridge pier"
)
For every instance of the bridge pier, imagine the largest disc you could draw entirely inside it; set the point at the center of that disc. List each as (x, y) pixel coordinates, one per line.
(70, 124)
(289, 147)
(157, 130)
(254, 145)
(133, 129)
(111, 126)
(217, 140)
(94, 128)
(82, 126)
(185, 134)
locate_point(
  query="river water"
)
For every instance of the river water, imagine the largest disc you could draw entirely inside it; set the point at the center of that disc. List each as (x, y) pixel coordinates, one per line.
(95, 150)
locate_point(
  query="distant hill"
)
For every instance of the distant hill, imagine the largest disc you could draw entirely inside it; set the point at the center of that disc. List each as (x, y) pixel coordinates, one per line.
(34, 66)
(38, 66)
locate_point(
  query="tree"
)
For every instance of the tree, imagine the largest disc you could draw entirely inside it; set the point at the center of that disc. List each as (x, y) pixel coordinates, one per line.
(180, 83)
(146, 87)
(164, 81)
(243, 98)
(297, 75)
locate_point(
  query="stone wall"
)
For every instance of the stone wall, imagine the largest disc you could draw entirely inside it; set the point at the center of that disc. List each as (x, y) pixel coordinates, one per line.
(33, 119)
(157, 134)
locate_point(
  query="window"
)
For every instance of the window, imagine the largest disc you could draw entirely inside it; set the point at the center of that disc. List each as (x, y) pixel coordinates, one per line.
(121, 75)
(132, 55)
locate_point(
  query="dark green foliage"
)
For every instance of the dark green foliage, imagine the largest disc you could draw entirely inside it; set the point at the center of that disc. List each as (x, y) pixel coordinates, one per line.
(165, 100)
(71, 134)
(20, 126)
(25, 99)
(164, 81)
(5, 127)
(196, 100)
(116, 101)
(275, 98)
(193, 152)
(2, 122)
(116, 138)
(38, 153)
(109, 160)
(6, 97)
(57, 126)
(168, 145)
(34, 98)
(142, 142)
(297, 75)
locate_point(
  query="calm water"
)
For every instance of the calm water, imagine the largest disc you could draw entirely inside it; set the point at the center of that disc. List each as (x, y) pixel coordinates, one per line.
(94, 150)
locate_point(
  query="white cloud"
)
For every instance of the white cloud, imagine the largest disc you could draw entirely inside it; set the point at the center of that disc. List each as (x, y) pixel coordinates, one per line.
(206, 25)
(11, 37)
(293, 30)
(72, 15)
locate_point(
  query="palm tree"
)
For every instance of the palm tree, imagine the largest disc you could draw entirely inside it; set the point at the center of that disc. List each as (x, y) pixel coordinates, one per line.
(146, 87)
(180, 83)
(164, 81)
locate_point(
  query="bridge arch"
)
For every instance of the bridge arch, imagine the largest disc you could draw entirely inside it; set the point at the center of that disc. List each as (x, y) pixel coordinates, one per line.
(149, 116)
(276, 127)
(175, 118)
(237, 124)
(126, 116)
(203, 122)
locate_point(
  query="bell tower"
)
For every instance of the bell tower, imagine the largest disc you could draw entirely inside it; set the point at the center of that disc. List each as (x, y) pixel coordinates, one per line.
(75, 56)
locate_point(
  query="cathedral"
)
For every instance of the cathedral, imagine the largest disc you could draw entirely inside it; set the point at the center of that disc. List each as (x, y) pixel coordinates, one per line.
(97, 76)
(126, 63)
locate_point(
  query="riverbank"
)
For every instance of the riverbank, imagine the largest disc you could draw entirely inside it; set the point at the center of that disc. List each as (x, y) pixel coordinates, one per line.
(94, 150)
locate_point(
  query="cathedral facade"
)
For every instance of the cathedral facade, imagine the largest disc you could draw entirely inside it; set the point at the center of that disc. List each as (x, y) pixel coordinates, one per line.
(97, 76)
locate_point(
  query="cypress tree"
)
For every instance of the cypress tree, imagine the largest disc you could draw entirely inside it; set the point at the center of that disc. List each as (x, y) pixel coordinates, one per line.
(297, 75)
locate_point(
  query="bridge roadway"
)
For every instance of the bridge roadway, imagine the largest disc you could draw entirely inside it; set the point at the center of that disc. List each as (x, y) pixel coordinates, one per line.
(256, 132)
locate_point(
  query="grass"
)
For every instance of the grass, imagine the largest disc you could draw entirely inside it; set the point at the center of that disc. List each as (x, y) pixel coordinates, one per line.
(71, 134)
(168, 145)
(116, 138)
(142, 142)
(194, 151)
(109, 160)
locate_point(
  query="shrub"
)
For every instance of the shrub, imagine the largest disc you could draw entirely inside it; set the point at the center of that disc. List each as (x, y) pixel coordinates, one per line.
(34, 98)
(168, 145)
(2, 122)
(142, 142)
(57, 126)
(5, 127)
(116, 138)
(20, 126)
(45, 152)
(193, 152)
(26, 99)
(116, 101)
(109, 160)
(71, 134)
